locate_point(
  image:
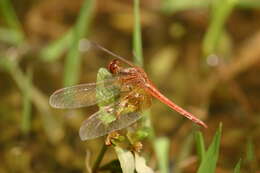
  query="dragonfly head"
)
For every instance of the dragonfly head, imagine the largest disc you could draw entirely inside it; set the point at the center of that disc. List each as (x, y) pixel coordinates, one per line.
(114, 66)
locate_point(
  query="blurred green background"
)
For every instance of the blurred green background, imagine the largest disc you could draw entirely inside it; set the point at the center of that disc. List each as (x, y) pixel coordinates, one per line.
(203, 54)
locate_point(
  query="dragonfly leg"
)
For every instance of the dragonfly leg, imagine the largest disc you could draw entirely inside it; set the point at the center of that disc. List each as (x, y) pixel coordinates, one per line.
(132, 102)
(110, 137)
(122, 106)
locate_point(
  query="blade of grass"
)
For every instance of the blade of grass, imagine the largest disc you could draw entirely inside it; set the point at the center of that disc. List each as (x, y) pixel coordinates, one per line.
(162, 148)
(250, 155)
(27, 105)
(138, 56)
(184, 152)
(54, 50)
(237, 167)
(200, 145)
(10, 36)
(171, 6)
(138, 59)
(52, 126)
(73, 59)
(221, 10)
(11, 19)
(137, 35)
(208, 164)
(249, 4)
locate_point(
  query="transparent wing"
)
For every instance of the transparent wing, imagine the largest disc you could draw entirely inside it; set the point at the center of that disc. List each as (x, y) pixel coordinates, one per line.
(84, 94)
(94, 126)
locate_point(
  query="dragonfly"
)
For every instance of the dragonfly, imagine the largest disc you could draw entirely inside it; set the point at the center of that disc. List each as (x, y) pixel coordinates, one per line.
(132, 93)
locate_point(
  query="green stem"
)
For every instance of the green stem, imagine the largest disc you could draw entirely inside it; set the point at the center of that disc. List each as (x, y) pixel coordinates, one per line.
(137, 37)
(99, 158)
(138, 58)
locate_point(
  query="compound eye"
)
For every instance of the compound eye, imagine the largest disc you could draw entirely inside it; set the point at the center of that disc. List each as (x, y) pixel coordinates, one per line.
(114, 66)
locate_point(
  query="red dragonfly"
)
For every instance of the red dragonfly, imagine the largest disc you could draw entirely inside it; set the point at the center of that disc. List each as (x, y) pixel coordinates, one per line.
(133, 92)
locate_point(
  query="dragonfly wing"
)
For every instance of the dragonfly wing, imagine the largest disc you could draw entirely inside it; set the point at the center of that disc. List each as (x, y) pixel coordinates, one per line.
(94, 126)
(104, 121)
(84, 94)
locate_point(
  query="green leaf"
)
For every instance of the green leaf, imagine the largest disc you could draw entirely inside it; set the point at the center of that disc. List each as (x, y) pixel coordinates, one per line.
(143, 133)
(162, 148)
(200, 145)
(237, 167)
(73, 59)
(102, 91)
(141, 166)
(106, 118)
(208, 164)
(126, 159)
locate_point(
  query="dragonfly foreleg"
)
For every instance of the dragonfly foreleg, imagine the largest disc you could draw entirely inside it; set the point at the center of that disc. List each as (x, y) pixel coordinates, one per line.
(110, 137)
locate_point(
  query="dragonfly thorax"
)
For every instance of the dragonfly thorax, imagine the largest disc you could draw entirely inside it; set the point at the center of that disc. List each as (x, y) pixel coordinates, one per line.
(134, 75)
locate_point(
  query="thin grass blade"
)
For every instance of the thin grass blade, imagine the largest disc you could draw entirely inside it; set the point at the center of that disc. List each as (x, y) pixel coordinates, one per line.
(73, 59)
(162, 149)
(251, 160)
(27, 105)
(200, 145)
(221, 10)
(137, 36)
(237, 167)
(10, 17)
(172, 6)
(55, 49)
(208, 164)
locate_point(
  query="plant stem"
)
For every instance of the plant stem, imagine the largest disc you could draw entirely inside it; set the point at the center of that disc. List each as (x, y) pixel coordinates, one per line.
(137, 35)
(99, 158)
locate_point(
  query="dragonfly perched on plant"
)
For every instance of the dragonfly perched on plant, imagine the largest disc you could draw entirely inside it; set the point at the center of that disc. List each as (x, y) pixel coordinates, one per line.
(131, 90)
